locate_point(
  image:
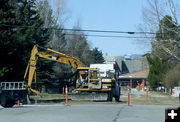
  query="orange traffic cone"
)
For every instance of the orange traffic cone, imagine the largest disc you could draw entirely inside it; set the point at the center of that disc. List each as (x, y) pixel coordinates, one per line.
(18, 103)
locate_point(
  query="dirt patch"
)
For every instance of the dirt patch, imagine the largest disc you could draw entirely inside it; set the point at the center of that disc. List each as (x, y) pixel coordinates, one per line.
(153, 98)
(136, 98)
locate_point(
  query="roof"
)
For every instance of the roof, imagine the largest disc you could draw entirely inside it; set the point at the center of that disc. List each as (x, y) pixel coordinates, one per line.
(140, 74)
(133, 65)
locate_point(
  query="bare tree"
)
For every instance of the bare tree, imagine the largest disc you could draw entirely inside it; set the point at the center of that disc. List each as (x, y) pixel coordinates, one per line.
(53, 12)
(79, 46)
(46, 13)
(172, 77)
(160, 18)
(152, 16)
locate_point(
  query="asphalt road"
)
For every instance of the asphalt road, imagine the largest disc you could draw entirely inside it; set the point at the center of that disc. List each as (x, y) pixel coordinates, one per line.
(83, 113)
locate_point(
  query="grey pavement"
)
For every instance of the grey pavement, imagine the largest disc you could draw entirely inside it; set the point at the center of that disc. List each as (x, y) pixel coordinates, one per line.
(84, 113)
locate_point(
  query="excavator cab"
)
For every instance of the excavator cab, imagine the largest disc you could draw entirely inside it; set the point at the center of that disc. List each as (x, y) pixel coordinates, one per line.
(82, 79)
(94, 79)
(88, 79)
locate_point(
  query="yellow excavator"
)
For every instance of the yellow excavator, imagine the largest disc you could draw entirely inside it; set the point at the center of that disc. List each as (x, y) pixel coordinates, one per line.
(88, 79)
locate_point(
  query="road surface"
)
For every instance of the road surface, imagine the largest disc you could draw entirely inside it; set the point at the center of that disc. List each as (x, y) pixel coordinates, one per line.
(83, 113)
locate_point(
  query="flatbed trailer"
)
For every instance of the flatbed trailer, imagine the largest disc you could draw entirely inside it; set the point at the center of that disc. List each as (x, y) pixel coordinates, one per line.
(11, 92)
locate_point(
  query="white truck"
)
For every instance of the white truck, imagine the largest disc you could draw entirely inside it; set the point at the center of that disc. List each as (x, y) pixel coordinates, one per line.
(108, 69)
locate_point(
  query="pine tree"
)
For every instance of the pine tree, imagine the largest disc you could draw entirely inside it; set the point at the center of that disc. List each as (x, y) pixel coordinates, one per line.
(7, 38)
(97, 56)
(35, 33)
(157, 69)
(167, 30)
(21, 28)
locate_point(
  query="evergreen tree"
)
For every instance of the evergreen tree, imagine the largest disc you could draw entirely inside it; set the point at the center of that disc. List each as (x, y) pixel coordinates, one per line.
(97, 56)
(157, 69)
(167, 30)
(32, 32)
(21, 28)
(7, 39)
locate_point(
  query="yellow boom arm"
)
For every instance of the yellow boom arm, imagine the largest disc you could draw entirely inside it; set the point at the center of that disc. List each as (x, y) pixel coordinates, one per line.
(49, 54)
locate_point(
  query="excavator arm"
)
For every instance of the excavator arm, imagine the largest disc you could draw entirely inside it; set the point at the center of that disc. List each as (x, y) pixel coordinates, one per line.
(49, 54)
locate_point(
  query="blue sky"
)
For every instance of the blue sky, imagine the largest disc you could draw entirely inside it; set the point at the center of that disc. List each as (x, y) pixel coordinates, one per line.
(118, 15)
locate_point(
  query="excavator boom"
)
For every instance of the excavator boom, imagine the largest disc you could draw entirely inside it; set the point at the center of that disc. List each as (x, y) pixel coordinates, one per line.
(49, 54)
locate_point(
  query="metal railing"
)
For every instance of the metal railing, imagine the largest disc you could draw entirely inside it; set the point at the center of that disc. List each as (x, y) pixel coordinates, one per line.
(12, 85)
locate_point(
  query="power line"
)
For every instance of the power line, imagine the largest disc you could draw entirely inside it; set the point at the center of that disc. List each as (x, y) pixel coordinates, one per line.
(81, 30)
(111, 36)
(109, 31)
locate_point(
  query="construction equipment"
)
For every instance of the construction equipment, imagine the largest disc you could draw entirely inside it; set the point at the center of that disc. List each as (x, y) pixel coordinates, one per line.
(10, 92)
(88, 79)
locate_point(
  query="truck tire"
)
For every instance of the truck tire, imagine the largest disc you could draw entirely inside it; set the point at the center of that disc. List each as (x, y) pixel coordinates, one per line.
(7, 102)
(117, 92)
(110, 96)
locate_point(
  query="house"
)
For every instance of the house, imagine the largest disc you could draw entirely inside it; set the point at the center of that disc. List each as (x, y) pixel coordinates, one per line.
(129, 64)
(134, 69)
(133, 79)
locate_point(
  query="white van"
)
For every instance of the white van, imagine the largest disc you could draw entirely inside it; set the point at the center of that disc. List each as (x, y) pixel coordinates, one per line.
(176, 91)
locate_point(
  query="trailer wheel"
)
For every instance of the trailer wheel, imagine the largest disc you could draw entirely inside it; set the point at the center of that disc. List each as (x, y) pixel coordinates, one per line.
(3, 100)
(10, 103)
(6, 102)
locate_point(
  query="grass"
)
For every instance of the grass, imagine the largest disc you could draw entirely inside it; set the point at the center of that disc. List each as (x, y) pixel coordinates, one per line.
(158, 93)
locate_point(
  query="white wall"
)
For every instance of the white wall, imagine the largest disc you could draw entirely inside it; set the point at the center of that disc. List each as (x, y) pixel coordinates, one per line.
(103, 68)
